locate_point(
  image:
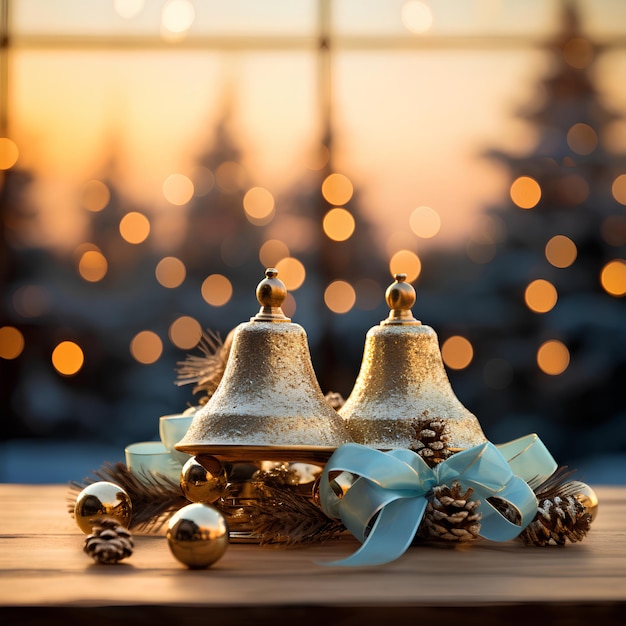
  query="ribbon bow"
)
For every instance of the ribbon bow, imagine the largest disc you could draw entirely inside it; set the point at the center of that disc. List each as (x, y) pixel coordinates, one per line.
(385, 505)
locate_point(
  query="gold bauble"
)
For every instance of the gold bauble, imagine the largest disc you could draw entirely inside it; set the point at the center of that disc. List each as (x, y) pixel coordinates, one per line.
(102, 499)
(585, 495)
(197, 535)
(203, 479)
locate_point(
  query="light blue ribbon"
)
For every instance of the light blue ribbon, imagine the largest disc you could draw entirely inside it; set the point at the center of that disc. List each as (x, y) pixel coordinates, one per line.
(385, 505)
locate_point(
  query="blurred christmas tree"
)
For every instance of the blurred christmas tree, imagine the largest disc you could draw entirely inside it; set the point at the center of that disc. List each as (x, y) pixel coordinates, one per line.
(544, 305)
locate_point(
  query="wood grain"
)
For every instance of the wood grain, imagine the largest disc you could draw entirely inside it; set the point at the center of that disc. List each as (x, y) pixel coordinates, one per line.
(45, 575)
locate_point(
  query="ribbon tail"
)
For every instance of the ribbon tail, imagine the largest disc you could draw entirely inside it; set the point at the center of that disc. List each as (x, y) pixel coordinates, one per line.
(390, 536)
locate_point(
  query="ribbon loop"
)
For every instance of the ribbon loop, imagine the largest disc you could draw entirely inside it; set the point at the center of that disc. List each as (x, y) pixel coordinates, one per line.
(383, 508)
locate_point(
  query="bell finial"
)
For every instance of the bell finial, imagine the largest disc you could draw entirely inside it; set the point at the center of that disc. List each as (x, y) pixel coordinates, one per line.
(271, 293)
(400, 297)
(402, 397)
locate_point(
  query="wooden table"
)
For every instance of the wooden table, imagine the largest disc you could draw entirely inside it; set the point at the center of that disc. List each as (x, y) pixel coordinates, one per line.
(45, 577)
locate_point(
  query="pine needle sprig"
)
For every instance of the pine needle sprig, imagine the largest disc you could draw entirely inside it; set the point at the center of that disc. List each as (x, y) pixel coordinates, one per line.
(291, 519)
(557, 484)
(207, 370)
(154, 498)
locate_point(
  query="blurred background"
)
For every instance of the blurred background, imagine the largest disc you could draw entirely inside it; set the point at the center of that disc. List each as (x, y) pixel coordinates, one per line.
(157, 155)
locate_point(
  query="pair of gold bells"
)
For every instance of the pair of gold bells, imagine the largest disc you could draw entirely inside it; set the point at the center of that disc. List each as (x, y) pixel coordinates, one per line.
(268, 408)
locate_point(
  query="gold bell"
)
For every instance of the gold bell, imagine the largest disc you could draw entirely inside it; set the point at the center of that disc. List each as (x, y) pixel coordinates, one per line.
(268, 405)
(402, 397)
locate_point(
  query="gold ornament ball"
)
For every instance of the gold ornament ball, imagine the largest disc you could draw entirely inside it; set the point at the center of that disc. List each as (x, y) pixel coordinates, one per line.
(197, 535)
(102, 499)
(586, 496)
(203, 479)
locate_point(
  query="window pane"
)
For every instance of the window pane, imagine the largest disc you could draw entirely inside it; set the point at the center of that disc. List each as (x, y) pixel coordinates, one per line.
(125, 17)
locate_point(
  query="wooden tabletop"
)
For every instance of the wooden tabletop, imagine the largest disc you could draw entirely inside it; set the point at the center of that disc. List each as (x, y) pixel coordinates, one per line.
(45, 576)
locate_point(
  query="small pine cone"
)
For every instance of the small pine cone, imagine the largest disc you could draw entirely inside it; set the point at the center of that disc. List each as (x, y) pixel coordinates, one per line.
(335, 399)
(109, 542)
(431, 440)
(451, 515)
(558, 519)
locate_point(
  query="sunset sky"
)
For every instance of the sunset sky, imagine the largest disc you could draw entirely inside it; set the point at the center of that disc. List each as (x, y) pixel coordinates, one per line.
(411, 111)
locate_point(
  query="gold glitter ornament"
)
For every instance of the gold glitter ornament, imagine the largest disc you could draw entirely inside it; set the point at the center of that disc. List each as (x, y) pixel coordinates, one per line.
(99, 500)
(402, 397)
(197, 535)
(203, 479)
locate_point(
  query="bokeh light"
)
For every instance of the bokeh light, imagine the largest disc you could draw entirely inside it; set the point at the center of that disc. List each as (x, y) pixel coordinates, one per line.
(146, 347)
(272, 251)
(613, 230)
(96, 195)
(525, 192)
(337, 189)
(317, 158)
(578, 53)
(203, 181)
(619, 189)
(128, 8)
(177, 16)
(134, 227)
(574, 189)
(291, 272)
(11, 342)
(416, 16)
(338, 224)
(185, 332)
(339, 296)
(9, 153)
(258, 203)
(170, 272)
(92, 266)
(230, 176)
(553, 357)
(31, 300)
(298, 230)
(582, 139)
(540, 296)
(613, 277)
(178, 189)
(457, 352)
(289, 305)
(405, 262)
(216, 290)
(561, 251)
(425, 222)
(67, 358)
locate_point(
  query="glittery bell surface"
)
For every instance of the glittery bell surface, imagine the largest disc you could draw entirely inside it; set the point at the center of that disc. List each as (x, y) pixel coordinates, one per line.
(402, 397)
(268, 404)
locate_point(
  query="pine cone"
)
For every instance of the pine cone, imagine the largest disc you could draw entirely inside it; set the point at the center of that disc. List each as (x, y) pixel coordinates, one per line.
(431, 440)
(451, 515)
(558, 519)
(335, 399)
(109, 542)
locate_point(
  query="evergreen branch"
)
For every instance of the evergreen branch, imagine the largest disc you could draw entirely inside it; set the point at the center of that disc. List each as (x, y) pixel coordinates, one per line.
(286, 517)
